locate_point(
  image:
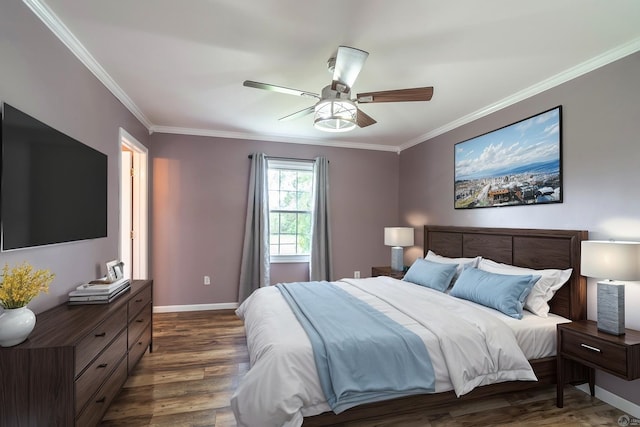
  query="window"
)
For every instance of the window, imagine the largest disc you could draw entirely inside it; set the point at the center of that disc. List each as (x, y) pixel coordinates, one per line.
(290, 205)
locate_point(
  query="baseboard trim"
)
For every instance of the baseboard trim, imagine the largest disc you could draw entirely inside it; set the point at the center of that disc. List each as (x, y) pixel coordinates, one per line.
(614, 400)
(195, 307)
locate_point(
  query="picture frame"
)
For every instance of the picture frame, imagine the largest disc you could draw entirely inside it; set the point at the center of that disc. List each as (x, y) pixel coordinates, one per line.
(518, 164)
(115, 270)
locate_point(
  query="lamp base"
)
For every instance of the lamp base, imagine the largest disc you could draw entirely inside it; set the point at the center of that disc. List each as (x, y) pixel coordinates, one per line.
(611, 307)
(397, 258)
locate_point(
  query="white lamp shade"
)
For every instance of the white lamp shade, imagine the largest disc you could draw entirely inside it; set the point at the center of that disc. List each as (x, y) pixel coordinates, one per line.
(398, 236)
(611, 260)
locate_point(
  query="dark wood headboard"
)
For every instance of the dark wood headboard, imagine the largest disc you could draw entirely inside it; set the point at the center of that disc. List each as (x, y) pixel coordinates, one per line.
(531, 248)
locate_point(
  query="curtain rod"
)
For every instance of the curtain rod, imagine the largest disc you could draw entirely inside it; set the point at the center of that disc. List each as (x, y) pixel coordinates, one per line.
(285, 158)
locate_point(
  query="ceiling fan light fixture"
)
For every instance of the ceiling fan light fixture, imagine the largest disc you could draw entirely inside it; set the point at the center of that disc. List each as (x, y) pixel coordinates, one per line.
(335, 115)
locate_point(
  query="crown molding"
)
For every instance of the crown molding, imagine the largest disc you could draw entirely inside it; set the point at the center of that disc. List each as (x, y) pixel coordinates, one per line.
(562, 77)
(271, 138)
(57, 27)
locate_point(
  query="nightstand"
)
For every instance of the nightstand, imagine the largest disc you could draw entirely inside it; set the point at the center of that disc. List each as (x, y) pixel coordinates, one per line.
(387, 271)
(582, 342)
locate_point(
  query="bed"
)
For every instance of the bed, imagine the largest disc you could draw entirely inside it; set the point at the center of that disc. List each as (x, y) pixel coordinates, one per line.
(529, 248)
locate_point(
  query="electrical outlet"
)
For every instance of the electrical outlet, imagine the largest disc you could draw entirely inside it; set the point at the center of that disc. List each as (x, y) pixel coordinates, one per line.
(207, 280)
(356, 274)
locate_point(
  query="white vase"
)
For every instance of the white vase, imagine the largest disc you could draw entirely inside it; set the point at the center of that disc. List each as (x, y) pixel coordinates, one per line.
(15, 325)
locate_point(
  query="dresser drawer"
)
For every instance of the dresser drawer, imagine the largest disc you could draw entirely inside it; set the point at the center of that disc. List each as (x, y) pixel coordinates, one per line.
(139, 347)
(138, 324)
(100, 401)
(91, 345)
(138, 301)
(99, 370)
(596, 351)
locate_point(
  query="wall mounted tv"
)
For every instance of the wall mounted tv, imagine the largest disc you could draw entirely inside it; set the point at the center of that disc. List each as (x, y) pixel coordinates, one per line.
(53, 187)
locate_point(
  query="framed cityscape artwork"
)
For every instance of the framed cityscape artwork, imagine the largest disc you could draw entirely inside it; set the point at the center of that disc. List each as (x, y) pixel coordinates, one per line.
(519, 164)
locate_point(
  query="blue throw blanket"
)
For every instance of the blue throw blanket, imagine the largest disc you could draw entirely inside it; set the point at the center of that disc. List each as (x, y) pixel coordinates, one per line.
(361, 354)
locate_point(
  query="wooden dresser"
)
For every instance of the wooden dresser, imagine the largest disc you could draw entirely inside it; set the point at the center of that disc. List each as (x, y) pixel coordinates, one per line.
(75, 361)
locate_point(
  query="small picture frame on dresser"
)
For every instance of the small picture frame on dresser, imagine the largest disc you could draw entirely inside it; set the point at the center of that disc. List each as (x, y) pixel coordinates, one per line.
(115, 270)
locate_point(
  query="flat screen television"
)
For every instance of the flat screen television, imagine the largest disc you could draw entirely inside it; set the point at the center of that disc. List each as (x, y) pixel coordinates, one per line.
(53, 187)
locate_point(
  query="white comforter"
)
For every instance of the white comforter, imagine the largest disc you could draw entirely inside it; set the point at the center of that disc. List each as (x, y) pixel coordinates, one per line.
(467, 346)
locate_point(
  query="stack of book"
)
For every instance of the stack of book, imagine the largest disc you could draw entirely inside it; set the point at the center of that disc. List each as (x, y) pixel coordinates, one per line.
(101, 291)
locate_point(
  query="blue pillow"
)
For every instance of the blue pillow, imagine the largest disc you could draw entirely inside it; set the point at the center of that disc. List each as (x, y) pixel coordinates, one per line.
(433, 275)
(503, 292)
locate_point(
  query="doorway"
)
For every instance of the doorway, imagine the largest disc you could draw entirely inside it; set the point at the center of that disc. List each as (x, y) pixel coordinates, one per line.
(134, 196)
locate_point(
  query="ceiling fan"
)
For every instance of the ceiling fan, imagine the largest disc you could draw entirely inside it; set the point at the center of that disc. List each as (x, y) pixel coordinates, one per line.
(335, 110)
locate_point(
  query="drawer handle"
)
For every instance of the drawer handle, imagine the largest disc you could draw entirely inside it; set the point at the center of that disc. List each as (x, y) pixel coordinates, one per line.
(102, 365)
(138, 300)
(102, 334)
(588, 347)
(101, 400)
(140, 320)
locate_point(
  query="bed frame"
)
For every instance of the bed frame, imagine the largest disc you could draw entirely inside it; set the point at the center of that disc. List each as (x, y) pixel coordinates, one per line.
(532, 248)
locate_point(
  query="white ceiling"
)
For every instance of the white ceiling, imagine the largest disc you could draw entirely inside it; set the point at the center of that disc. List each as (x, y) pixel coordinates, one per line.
(179, 65)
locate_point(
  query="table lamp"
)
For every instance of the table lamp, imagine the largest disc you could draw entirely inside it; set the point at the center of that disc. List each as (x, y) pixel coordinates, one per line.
(614, 261)
(397, 237)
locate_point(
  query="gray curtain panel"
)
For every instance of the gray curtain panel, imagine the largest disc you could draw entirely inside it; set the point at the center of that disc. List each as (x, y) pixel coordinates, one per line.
(320, 266)
(254, 269)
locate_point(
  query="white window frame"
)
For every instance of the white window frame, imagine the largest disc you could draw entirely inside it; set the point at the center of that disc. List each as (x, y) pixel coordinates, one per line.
(305, 165)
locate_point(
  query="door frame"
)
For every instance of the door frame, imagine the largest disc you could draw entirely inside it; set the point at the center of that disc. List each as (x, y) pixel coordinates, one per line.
(140, 208)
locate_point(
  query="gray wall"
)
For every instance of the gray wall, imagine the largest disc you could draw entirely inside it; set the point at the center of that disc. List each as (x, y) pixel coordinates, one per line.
(601, 159)
(199, 200)
(41, 77)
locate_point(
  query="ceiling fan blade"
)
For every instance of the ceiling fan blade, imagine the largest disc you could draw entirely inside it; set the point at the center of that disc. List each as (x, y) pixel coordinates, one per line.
(399, 95)
(281, 89)
(349, 62)
(300, 113)
(364, 120)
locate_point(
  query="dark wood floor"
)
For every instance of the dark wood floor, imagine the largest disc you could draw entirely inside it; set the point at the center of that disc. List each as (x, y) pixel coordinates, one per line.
(199, 357)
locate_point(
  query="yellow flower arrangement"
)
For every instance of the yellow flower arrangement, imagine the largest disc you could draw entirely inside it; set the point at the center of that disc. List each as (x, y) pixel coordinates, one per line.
(21, 284)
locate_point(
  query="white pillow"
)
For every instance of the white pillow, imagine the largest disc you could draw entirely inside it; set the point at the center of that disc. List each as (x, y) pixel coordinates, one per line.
(462, 262)
(550, 281)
